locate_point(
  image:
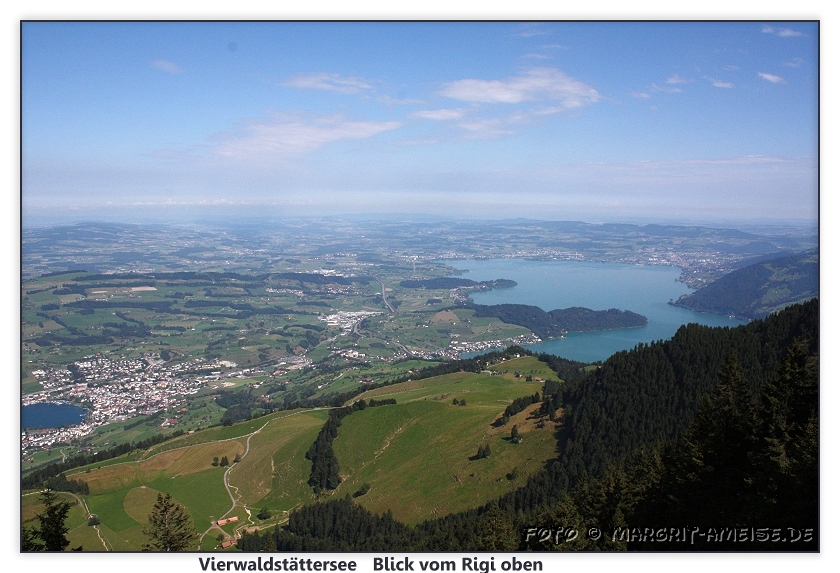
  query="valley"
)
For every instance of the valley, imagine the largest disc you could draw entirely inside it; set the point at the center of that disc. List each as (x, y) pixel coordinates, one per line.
(209, 376)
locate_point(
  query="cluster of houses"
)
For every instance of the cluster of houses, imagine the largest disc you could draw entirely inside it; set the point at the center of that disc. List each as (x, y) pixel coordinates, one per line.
(230, 541)
(346, 321)
(458, 347)
(114, 390)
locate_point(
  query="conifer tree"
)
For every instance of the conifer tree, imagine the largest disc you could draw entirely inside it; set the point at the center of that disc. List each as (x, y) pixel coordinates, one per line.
(29, 539)
(497, 531)
(170, 526)
(52, 529)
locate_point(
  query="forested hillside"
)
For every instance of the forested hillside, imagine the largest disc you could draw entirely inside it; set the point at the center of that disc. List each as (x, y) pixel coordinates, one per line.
(558, 322)
(744, 477)
(716, 427)
(757, 290)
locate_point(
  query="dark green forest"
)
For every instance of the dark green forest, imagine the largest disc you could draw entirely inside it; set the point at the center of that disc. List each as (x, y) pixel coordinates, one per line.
(756, 290)
(560, 321)
(706, 441)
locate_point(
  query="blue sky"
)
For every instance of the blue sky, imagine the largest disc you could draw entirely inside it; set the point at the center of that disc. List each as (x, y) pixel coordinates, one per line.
(598, 121)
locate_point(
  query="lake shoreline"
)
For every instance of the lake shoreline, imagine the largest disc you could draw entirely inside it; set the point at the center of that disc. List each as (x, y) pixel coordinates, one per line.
(52, 415)
(642, 289)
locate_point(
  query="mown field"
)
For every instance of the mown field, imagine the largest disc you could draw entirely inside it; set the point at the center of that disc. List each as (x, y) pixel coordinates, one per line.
(273, 474)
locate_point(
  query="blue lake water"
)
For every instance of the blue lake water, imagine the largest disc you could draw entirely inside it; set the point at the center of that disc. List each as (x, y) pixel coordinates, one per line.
(561, 284)
(48, 415)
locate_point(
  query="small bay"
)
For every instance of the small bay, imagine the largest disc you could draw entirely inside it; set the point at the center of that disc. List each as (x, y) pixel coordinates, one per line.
(644, 289)
(51, 415)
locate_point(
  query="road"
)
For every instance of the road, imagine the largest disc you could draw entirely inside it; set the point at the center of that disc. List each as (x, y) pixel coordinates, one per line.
(393, 311)
(385, 300)
(233, 499)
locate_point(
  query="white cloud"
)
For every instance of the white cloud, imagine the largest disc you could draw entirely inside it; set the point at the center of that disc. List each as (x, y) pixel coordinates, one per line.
(676, 79)
(485, 129)
(666, 89)
(793, 62)
(534, 85)
(284, 134)
(544, 110)
(731, 68)
(192, 203)
(439, 114)
(528, 30)
(392, 101)
(744, 160)
(719, 83)
(167, 66)
(788, 33)
(330, 82)
(782, 32)
(771, 78)
(493, 91)
(643, 95)
(535, 56)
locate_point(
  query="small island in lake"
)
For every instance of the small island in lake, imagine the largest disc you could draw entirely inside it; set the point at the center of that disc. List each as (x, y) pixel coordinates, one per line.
(556, 323)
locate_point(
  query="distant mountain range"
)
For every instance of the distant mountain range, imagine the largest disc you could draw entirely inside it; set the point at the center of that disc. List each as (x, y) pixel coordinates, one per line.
(760, 289)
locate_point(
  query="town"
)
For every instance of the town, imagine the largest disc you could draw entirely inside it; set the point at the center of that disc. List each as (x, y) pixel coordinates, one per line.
(115, 390)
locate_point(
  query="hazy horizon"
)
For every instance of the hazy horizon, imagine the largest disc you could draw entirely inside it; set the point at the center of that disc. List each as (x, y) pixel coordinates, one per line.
(209, 217)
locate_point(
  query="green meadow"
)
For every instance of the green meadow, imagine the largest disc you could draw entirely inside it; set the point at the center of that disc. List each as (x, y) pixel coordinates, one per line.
(417, 456)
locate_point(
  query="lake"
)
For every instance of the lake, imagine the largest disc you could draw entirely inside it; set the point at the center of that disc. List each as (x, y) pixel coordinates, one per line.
(49, 415)
(561, 284)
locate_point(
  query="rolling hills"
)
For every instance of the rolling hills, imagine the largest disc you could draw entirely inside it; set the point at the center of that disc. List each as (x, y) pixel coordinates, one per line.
(757, 290)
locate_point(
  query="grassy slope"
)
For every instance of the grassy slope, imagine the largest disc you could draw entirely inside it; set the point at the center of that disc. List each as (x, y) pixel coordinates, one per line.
(527, 366)
(273, 474)
(416, 454)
